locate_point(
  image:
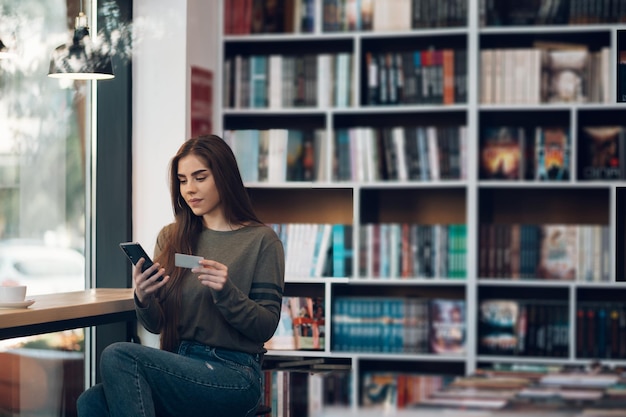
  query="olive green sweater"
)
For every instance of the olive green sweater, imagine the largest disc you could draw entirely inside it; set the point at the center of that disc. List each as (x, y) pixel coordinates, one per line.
(245, 313)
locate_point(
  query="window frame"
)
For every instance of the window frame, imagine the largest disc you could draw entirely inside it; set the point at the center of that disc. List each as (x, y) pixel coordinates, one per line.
(110, 196)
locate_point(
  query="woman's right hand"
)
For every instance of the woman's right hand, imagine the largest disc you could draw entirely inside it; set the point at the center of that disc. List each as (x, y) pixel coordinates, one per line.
(145, 284)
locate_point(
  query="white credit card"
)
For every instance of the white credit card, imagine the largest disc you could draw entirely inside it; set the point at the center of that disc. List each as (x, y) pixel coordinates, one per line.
(187, 261)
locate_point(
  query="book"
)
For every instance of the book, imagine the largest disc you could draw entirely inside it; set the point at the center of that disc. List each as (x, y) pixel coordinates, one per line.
(264, 152)
(380, 390)
(283, 338)
(552, 150)
(324, 80)
(275, 81)
(602, 155)
(499, 382)
(306, 16)
(391, 15)
(341, 250)
(498, 327)
(501, 153)
(245, 146)
(565, 76)
(447, 326)
(448, 68)
(273, 16)
(343, 86)
(295, 156)
(579, 379)
(465, 402)
(258, 81)
(307, 317)
(559, 252)
(277, 155)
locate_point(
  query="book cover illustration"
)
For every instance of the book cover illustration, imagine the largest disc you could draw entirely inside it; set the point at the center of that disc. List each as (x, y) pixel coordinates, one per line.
(564, 76)
(447, 321)
(602, 156)
(552, 148)
(558, 253)
(294, 155)
(301, 325)
(501, 153)
(308, 322)
(379, 390)
(498, 321)
(283, 336)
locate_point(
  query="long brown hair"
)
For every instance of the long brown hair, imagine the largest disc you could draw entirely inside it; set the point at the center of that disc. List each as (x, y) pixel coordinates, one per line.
(183, 235)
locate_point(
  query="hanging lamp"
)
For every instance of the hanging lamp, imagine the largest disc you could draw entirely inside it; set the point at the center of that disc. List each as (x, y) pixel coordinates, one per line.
(78, 60)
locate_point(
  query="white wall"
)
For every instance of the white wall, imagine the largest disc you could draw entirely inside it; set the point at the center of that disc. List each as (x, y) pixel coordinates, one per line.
(204, 47)
(170, 36)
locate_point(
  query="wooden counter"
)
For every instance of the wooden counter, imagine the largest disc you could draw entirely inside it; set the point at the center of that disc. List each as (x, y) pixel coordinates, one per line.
(71, 310)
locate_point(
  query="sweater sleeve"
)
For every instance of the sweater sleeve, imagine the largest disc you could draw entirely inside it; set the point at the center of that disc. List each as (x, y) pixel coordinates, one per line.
(256, 315)
(150, 315)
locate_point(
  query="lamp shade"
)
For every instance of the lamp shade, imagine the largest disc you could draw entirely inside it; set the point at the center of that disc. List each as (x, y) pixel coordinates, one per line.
(78, 62)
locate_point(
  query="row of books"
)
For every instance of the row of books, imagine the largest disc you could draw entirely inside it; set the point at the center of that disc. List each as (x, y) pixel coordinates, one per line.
(526, 153)
(287, 393)
(279, 155)
(305, 394)
(540, 153)
(523, 328)
(601, 330)
(316, 250)
(392, 15)
(426, 153)
(421, 153)
(398, 325)
(546, 73)
(298, 16)
(547, 251)
(429, 153)
(520, 390)
(568, 392)
(429, 76)
(243, 17)
(399, 390)
(288, 81)
(301, 325)
(551, 12)
(403, 250)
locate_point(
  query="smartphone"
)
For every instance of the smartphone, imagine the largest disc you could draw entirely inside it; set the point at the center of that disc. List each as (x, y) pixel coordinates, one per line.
(135, 251)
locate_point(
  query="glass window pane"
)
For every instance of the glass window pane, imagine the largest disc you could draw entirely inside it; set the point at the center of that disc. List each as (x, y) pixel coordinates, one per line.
(42, 153)
(43, 163)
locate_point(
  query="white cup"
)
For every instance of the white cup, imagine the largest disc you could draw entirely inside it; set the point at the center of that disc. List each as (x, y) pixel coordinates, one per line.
(12, 293)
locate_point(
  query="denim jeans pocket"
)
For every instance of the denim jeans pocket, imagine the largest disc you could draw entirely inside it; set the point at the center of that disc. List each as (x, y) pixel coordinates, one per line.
(239, 361)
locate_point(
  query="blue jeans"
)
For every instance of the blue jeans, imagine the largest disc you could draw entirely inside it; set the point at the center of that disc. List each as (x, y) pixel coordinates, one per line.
(141, 381)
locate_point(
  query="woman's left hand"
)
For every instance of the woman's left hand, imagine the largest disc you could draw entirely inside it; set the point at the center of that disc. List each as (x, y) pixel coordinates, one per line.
(212, 274)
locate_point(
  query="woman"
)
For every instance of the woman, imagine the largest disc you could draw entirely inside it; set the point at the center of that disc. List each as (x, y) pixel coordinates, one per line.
(213, 319)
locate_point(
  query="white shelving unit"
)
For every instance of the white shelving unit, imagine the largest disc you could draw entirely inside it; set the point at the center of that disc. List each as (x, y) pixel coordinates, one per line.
(283, 202)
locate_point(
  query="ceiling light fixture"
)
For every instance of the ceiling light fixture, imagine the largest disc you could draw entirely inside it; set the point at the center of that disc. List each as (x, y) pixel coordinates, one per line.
(80, 61)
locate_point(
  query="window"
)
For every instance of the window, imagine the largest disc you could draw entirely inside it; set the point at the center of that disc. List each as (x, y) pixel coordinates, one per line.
(44, 142)
(43, 137)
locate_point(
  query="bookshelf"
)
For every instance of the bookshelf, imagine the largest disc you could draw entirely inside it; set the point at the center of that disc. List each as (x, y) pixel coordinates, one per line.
(508, 73)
